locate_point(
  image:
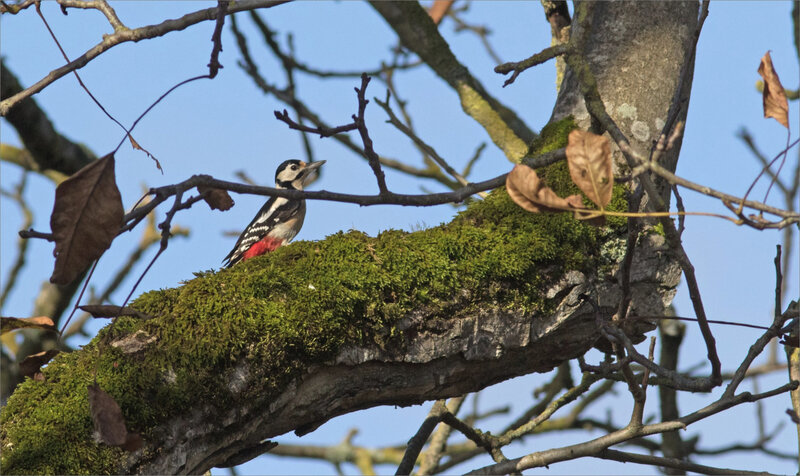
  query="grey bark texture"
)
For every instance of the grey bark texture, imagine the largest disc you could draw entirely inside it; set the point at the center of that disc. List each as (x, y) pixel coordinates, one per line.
(636, 51)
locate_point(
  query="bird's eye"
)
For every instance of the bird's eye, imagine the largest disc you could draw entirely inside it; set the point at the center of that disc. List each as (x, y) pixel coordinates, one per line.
(294, 167)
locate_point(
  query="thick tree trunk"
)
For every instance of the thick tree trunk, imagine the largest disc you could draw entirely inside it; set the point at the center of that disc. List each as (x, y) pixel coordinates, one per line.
(315, 330)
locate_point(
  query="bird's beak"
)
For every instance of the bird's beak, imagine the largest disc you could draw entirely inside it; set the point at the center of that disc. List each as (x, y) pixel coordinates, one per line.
(310, 172)
(314, 165)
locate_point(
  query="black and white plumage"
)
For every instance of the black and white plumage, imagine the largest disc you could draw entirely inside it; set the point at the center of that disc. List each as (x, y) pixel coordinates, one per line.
(279, 219)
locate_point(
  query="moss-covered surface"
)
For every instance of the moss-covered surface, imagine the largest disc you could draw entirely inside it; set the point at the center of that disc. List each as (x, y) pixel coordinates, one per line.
(284, 311)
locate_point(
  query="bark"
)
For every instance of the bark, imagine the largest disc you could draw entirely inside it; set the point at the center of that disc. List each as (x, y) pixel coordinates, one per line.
(636, 52)
(49, 149)
(199, 407)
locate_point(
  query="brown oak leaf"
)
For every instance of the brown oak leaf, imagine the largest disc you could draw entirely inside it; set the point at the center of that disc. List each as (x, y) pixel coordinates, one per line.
(87, 215)
(774, 96)
(589, 161)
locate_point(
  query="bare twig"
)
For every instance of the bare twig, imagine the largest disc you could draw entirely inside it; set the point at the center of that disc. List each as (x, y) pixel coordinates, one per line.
(149, 238)
(123, 36)
(213, 65)
(430, 458)
(417, 441)
(595, 446)
(430, 151)
(283, 116)
(22, 244)
(77, 76)
(481, 31)
(100, 5)
(518, 67)
(625, 457)
(290, 61)
(250, 68)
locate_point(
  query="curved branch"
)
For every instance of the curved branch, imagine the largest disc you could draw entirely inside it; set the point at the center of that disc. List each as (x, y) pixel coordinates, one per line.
(127, 35)
(419, 33)
(48, 149)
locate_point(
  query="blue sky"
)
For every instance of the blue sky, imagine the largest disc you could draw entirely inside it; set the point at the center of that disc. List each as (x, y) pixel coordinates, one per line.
(219, 127)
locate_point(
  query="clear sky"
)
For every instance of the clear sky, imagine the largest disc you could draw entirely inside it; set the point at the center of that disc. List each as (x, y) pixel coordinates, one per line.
(222, 126)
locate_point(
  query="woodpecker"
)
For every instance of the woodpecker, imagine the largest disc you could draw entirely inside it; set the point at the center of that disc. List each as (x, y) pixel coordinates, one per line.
(279, 219)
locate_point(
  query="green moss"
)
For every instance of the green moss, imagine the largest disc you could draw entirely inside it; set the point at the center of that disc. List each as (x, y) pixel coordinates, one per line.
(287, 310)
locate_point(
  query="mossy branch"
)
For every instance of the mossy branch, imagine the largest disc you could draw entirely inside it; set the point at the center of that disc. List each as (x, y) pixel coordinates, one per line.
(420, 34)
(287, 341)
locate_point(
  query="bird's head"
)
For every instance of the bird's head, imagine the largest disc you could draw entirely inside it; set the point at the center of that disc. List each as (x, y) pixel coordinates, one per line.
(296, 174)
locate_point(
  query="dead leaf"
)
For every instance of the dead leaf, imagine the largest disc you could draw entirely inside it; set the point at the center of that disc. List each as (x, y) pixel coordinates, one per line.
(109, 423)
(136, 146)
(8, 324)
(31, 365)
(39, 377)
(109, 311)
(528, 191)
(86, 218)
(774, 96)
(216, 198)
(439, 9)
(589, 160)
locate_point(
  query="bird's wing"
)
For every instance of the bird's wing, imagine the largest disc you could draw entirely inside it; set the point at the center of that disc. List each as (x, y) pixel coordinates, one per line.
(277, 210)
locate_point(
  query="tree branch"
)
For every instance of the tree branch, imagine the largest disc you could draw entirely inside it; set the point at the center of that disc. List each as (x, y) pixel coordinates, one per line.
(126, 35)
(418, 33)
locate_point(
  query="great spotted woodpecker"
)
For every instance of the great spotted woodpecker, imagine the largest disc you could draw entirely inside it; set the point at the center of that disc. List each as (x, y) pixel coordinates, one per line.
(279, 219)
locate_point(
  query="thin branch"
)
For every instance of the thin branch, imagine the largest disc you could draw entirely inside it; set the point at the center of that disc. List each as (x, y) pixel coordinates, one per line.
(22, 244)
(100, 5)
(216, 38)
(595, 446)
(748, 140)
(248, 65)
(537, 59)
(625, 457)
(290, 61)
(283, 116)
(482, 32)
(641, 165)
(124, 36)
(430, 458)
(430, 151)
(149, 238)
(417, 441)
(77, 76)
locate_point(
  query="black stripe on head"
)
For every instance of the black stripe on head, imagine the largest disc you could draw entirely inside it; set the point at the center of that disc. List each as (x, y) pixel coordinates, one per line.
(285, 165)
(285, 184)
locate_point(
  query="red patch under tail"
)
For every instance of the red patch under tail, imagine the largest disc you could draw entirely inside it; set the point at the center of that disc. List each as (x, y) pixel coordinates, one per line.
(266, 245)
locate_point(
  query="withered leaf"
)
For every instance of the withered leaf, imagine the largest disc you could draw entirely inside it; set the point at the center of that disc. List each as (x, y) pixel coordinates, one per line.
(86, 217)
(136, 146)
(216, 198)
(439, 9)
(32, 363)
(8, 324)
(528, 191)
(774, 96)
(109, 310)
(107, 417)
(589, 160)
